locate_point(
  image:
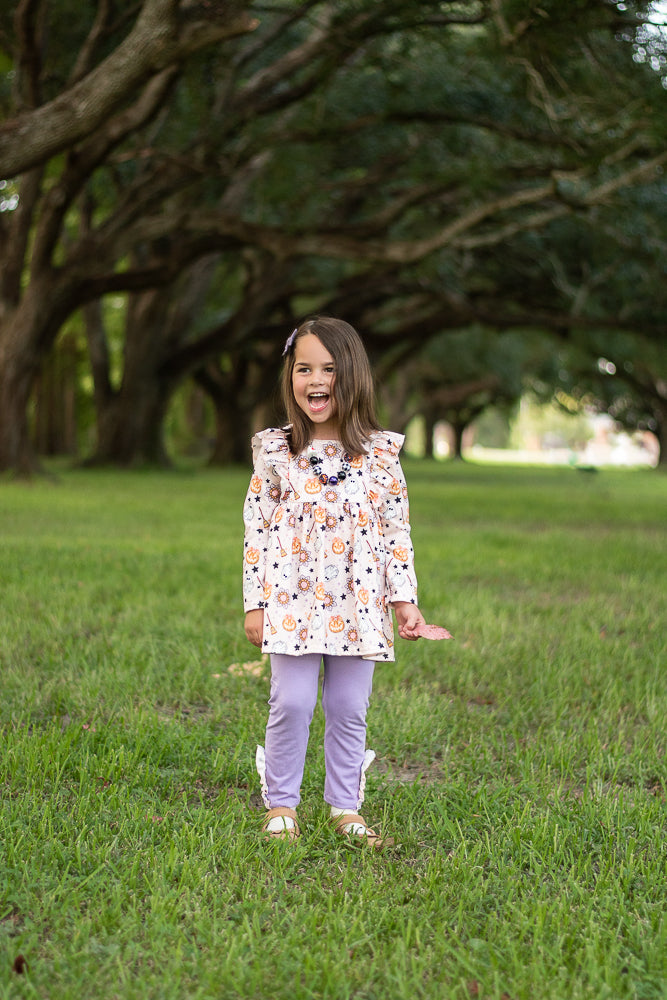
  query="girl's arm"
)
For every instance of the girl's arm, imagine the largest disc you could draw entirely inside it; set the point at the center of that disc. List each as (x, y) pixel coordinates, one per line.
(393, 508)
(262, 498)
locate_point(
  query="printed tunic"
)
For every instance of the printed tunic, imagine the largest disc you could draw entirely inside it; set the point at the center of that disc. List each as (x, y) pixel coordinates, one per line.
(323, 561)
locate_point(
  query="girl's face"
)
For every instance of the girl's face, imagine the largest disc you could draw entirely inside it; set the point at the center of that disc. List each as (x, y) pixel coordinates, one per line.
(313, 378)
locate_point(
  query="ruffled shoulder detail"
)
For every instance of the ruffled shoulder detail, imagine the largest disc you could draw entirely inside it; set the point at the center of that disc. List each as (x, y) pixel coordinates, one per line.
(272, 445)
(386, 443)
(385, 468)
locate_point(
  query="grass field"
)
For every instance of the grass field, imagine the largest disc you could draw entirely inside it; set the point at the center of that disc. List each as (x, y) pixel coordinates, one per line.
(521, 767)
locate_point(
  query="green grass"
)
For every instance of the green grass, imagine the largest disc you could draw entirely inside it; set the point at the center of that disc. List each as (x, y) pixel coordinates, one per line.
(521, 767)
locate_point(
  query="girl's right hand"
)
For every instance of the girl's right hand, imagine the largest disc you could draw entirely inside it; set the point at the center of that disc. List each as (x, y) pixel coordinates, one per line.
(254, 626)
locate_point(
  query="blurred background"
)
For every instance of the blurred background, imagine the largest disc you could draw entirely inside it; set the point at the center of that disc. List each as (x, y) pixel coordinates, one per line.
(478, 186)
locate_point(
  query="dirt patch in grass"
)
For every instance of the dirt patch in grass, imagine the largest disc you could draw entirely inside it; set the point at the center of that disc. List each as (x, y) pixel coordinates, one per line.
(409, 772)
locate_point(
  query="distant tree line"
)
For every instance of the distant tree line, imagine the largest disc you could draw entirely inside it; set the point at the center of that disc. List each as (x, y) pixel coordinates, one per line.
(477, 185)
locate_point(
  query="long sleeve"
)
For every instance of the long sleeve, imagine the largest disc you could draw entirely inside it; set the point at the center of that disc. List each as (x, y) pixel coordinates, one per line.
(390, 496)
(269, 451)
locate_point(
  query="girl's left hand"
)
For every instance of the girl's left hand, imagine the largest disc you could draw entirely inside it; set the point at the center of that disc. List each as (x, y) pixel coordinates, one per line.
(408, 619)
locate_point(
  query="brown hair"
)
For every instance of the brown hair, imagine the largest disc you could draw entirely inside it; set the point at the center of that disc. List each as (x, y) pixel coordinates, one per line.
(353, 391)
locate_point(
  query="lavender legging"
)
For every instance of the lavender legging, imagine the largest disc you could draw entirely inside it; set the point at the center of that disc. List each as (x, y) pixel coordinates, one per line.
(346, 690)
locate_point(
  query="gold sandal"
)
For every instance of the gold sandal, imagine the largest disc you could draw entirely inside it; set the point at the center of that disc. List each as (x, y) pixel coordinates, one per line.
(284, 834)
(369, 837)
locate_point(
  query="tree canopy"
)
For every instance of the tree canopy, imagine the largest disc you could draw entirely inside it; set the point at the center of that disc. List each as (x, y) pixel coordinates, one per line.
(417, 167)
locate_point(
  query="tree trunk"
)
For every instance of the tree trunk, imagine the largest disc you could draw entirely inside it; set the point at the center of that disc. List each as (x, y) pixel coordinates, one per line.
(19, 364)
(130, 425)
(232, 423)
(661, 434)
(430, 420)
(55, 430)
(130, 420)
(458, 430)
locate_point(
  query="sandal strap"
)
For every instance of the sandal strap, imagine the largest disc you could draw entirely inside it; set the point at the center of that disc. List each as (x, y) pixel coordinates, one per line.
(370, 837)
(283, 811)
(340, 822)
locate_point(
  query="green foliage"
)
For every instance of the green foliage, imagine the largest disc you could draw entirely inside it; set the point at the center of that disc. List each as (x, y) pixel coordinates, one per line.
(404, 117)
(521, 766)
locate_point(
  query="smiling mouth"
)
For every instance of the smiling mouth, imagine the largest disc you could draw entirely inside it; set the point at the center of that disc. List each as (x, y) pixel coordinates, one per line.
(317, 401)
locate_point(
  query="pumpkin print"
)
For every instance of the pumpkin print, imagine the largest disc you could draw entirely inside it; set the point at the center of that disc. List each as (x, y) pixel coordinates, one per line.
(296, 546)
(395, 488)
(313, 486)
(336, 624)
(363, 595)
(320, 515)
(319, 591)
(363, 518)
(401, 554)
(279, 514)
(357, 462)
(267, 591)
(252, 556)
(289, 623)
(338, 546)
(256, 484)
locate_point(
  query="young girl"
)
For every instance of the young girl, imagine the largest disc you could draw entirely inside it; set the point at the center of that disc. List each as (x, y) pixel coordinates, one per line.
(327, 555)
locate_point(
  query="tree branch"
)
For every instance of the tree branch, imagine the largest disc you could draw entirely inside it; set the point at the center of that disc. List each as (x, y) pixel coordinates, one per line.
(82, 164)
(158, 40)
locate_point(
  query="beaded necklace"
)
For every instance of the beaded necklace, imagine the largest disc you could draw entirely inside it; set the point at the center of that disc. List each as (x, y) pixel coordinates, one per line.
(316, 463)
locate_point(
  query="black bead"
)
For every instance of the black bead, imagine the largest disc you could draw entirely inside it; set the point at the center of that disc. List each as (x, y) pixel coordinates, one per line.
(314, 460)
(342, 475)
